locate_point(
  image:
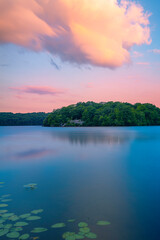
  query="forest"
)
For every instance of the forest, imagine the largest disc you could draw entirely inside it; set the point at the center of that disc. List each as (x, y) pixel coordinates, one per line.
(104, 114)
(21, 119)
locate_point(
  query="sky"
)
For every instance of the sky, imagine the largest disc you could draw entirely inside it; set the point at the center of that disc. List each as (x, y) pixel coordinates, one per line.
(54, 53)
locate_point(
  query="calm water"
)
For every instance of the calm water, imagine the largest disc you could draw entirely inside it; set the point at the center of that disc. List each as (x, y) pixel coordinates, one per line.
(86, 174)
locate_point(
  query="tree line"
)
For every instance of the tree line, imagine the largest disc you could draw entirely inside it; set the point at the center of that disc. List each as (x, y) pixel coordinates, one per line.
(104, 114)
(22, 119)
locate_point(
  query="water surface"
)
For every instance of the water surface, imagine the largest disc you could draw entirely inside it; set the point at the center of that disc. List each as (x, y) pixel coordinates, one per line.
(86, 174)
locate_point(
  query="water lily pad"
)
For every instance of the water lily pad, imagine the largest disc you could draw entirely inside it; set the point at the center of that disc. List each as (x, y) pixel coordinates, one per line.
(13, 235)
(3, 211)
(20, 224)
(32, 218)
(24, 236)
(39, 229)
(2, 220)
(1, 225)
(7, 215)
(37, 211)
(82, 224)
(3, 232)
(79, 236)
(8, 226)
(3, 205)
(58, 225)
(103, 223)
(69, 235)
(30, 186)
(5, 196)
(84, 230)
(91, 235)
(6, 200)
(71, 220)
(25, 215)
(14, 218)
(16, 229)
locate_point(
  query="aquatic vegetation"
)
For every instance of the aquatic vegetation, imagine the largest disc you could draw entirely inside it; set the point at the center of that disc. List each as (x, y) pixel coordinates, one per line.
(16, 229)
(1, 225)
(79, 236)
(37, 211)
(69, 235)
(91, 235)
(5, 196)
(32, 218)
(25, 215)
(71, 220)
(2, 220)
(20, 224)
(8, 226)
(13, 235)
(7, 215)
(82, 224)
(39, 229)
(58, 225)
(14, 218)
(1, 182)
(3, 211)
(103, 223)
(84, 230)
(6, 200)
(3, 232)
(3, 205)
(31, 186)
(24, 236)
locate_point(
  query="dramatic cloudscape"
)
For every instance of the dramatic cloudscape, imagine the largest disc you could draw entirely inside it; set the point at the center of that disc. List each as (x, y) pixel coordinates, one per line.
(59, 52)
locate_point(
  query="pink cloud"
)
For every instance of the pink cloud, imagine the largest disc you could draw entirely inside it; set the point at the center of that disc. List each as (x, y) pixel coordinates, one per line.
(100, 33)
(137, 54)
(40, 90)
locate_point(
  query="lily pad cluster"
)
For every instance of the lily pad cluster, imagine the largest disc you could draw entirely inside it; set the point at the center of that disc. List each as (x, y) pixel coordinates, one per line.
(84, 232)
(12, 225)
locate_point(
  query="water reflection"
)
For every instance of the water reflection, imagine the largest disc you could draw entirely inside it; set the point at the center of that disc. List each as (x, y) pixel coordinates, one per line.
(97, 136)
(33, 153)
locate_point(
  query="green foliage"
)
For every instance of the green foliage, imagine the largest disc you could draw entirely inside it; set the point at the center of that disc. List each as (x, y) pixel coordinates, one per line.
(104, 114)
(22, 119)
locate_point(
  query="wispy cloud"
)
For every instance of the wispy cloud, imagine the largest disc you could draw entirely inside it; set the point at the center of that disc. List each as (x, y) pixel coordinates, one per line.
(54, 64)
(143, 63)
(40, 90)
(74, 30)
(155, 51)
(137, 54)
(4, 65)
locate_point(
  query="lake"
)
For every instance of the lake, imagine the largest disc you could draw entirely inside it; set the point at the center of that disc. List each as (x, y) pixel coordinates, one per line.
(86, 175)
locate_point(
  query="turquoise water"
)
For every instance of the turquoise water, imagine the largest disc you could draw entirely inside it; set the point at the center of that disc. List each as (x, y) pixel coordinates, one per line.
(86, 174)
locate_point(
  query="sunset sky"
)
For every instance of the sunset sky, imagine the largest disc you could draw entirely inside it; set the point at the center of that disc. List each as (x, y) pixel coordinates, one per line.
(59, 52)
